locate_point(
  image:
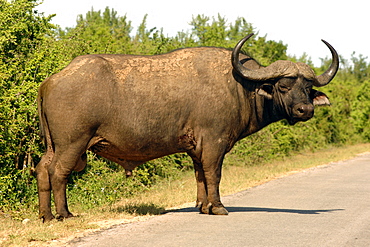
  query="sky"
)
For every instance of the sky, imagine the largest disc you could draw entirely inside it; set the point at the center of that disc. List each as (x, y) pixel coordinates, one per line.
(299, 24)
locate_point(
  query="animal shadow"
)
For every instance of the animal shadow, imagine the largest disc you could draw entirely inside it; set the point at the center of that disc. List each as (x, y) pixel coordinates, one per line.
(266, 210)
(281, 210)
(140, 209)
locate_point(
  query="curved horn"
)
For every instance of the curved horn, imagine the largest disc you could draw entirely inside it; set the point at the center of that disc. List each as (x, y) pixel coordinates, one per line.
(237, 65)
(329, 74)
(274, 70)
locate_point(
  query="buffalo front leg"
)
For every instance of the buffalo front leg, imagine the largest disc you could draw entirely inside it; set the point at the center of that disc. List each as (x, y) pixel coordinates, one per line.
(212, 174)
(201, 187)
(44, 188)
(208, 176)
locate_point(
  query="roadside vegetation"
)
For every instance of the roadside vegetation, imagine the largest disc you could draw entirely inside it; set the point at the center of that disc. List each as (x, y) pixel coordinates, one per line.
(31, 49)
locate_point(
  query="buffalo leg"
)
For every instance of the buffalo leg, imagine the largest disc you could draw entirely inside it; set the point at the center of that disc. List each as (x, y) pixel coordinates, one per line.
(63, 164)
(201, 186)
(44, 188)
(212, 165)
(208, 175)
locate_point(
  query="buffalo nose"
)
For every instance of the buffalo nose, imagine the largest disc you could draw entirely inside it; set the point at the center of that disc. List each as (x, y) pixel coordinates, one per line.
(303, 111)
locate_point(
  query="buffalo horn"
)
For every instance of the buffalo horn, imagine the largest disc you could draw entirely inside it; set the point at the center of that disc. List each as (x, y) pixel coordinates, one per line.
(278, 69)
(275, 70)
(237, 65)
(329, 74)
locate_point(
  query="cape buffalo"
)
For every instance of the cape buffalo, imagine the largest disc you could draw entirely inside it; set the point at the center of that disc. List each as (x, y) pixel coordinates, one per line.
(132, 109)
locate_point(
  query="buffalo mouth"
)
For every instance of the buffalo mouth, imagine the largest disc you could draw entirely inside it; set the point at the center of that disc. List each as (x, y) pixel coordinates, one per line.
(293, 121)
(301, 112)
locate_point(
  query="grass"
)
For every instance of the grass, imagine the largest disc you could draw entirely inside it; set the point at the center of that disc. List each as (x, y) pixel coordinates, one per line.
(167, 194)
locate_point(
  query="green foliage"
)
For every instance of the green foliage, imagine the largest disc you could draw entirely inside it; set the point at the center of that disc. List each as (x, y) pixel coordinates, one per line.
(31, 49)
(98, 184)
(361, 111)
(103, 182)
(360, 69)
(218, 33)
(17, 190)
(22, 33)
(103, 32)
(210, 34)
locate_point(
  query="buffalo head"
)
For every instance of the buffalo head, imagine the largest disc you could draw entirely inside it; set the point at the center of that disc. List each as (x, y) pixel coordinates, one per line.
(288, 85)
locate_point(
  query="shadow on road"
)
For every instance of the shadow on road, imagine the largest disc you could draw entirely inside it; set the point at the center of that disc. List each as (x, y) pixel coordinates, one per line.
(280, 210)
(139, 209)
(266, 210)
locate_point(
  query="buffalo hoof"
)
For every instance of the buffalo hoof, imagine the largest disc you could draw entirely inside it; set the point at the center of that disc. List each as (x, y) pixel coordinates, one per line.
(219, 211)
(204, 210)
(209, 209)
(46, 217)
(61, 217)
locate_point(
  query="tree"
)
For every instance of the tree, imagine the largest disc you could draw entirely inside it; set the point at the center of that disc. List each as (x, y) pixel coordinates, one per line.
(210, 34)
(218, 33)
(361, 111)
(104, 32)
(22, 32)
(360, 69)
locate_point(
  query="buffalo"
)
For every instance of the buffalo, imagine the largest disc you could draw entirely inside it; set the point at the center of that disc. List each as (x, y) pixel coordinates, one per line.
(131, 109)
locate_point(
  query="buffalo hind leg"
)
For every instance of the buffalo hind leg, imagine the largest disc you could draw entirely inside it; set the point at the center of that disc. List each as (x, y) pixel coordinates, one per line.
(63, 164)
(43, 187)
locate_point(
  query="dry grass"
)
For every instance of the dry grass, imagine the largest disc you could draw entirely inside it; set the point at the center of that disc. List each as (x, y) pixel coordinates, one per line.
(237, 178)
(165, 195)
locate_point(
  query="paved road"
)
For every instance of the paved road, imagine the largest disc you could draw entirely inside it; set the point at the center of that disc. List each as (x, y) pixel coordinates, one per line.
(325, 206)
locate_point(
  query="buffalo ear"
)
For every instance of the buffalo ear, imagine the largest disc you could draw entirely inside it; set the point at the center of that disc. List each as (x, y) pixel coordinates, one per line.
(266, 90)
(319, 98)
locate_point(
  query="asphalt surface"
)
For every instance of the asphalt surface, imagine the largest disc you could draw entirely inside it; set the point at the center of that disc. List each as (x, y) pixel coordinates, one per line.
(324, 206)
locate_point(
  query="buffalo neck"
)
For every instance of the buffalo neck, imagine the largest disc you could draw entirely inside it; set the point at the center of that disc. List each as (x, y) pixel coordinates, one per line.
(257, 111)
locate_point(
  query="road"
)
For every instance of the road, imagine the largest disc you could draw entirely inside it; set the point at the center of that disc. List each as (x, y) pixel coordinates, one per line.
(324, 206)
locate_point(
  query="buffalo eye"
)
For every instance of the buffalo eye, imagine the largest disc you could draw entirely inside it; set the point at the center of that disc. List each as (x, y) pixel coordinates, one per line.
(284, 88)
(286, 84)
(309, 86)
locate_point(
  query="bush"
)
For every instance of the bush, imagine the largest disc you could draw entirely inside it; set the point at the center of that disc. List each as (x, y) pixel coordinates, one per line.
(103, 182)
(361, 111)
(18, 191)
